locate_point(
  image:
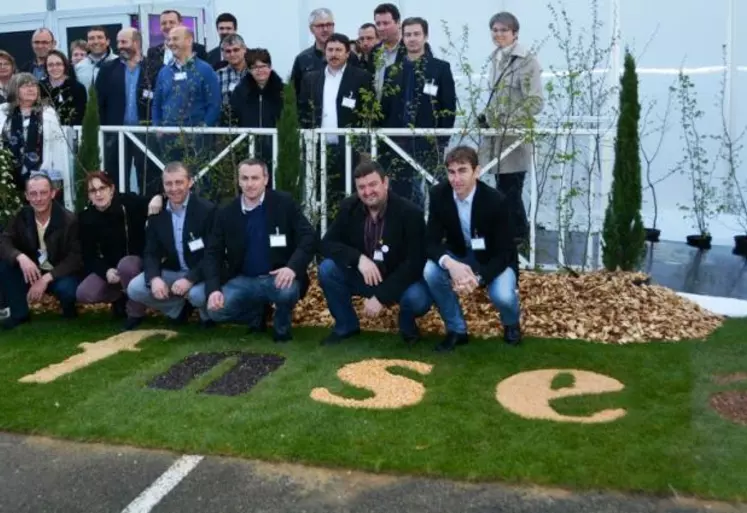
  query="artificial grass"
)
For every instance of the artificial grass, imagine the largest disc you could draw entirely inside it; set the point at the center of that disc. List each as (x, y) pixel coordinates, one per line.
(670, 439)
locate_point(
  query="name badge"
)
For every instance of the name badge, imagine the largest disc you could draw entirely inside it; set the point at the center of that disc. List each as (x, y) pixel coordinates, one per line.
(42, 257)
(478, 244)
(277, 240)
(232, 87)
(60, 99)
(348, 102)
(378, 256)
(430, 89)
(180, 76)
(196, 245)
(147, 94)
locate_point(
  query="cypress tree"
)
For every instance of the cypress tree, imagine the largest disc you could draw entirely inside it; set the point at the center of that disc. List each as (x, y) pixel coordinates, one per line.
(288, 170)
(623, 233)
(88, 158)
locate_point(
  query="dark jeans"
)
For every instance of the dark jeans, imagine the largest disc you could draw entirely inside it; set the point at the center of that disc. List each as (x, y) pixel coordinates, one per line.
(512, 186)
(146, 171)
(15, 289)
(340, 285)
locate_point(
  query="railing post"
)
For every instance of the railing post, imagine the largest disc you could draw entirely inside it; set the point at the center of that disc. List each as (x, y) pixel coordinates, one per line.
(124, 176)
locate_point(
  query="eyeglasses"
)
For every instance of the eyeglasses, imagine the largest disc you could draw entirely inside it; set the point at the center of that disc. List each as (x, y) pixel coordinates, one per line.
(324, 25)
(98, 190)
(229, 51)
(55, 65)
(259, 67)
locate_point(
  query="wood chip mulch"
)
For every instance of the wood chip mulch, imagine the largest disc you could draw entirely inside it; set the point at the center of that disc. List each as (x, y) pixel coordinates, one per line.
(731, 405)
(613, 308)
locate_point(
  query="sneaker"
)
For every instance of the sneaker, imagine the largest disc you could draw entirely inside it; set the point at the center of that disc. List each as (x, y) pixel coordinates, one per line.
(4, 313)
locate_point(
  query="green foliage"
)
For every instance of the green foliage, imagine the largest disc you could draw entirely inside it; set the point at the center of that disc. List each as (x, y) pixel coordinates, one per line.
(288, 171)
(10, 199)
(89, 154)
(623, 232)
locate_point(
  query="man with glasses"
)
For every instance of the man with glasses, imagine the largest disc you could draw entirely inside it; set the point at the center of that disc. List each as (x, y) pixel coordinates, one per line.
(42, 43)
(49, 261)
(234, 50)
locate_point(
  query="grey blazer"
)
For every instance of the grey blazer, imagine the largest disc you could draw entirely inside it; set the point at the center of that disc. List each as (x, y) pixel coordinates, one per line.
(517, 98)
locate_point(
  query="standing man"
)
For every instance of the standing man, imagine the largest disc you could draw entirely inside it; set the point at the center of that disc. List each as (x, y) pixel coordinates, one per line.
(40, 253)
(226, 24)
(175, 243)
(389, 50)
(124, 88)
(266, 244)
(335, 97)
(368, 39)
(236, 68)
(375, 248)
(162, 54)
(419, 93)
(42, 42)
(469, 242)
(99, 52)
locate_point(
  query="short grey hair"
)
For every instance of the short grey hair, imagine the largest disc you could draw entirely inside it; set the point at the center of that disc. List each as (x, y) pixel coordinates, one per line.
(17, 81)
(506, 19)
(42, 30)
(233, 39)
(320, 14)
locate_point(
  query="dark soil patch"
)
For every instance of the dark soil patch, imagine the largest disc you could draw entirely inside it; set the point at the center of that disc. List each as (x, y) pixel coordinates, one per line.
(731, 405)
(182, 373)
(245, 374)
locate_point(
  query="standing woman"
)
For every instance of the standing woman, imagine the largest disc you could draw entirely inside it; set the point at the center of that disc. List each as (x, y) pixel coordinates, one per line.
(112, 238)
(62, 89)
(7, 70)
(516, 97)
(32, 133)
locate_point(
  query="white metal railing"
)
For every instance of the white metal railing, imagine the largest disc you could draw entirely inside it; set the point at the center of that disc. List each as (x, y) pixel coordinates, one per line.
(313, 139)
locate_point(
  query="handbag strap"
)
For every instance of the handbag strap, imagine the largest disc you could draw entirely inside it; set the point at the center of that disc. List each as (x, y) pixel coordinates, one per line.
(500, 77)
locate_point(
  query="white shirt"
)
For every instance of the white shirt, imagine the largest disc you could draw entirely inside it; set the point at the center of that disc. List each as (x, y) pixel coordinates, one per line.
(245, 208)
(464, 210)
(168, 55)
(329, 101)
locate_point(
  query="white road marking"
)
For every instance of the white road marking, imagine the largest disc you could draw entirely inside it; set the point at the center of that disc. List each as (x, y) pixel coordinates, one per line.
(152, 495)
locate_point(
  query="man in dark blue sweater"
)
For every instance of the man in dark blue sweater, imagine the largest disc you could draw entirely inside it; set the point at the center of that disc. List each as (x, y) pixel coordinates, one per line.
(259, 253)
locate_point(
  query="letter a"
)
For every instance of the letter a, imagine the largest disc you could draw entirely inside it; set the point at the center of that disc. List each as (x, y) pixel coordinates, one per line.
(95, 352)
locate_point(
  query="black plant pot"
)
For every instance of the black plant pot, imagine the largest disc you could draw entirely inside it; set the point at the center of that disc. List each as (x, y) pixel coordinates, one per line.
(699, 241)
(740, 245)
(652, 234)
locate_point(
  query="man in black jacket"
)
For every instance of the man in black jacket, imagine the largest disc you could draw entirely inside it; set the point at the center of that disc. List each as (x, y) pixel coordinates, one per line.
(265, 244)
(161, 55)
(375, 248)
(469, 242)
(175, 243)
(337, 96)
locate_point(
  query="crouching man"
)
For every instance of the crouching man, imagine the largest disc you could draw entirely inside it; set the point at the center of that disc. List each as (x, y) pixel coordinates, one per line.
(265, 244)
(175, 242)
(469, 240)
(39, 253)
(375, 248)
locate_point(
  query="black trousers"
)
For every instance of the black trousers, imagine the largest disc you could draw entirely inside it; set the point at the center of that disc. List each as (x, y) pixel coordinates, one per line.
(147, 173)
(512, 186)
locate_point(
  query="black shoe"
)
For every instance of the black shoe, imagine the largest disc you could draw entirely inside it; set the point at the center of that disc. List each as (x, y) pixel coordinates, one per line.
(512, 335)
(333, 338)
(281, 338)
(451, 341)
(131, 323)
(410, 338)
(119, 308)
(12, 322)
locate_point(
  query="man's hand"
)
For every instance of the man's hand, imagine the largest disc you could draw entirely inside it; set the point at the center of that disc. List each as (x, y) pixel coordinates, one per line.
(155, 205)
(462, 276)
(38, 289)
(112, 277)
(369, 271)
(215, 301)
(31, 272)
(283, 277)
(159, 289)
(181, 287)
(372, 307)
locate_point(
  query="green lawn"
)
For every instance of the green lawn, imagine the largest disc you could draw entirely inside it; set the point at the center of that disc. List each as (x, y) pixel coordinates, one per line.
(670, 439)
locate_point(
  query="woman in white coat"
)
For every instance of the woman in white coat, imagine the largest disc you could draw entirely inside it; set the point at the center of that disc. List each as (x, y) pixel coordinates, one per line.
(32, 132)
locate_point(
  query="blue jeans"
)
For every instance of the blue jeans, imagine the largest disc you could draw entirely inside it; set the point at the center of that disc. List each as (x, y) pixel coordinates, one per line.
(502, 293)
(15, 290)
(340, 284)
(172, 306)
(245, 298)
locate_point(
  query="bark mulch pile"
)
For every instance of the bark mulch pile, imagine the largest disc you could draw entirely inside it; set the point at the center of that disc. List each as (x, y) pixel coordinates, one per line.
(615, 308)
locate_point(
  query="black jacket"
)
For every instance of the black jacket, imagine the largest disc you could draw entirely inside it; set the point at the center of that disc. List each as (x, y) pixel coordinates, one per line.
(110, 235)
(252, 107)
(309, 60)
(425, 110)
(61, 238)
(215, 60)
(225, 255)
(491, 220)
(155, 53)
(404, 237)
(160, 252)
(69, 100)
(354, 84)
(110, 90)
